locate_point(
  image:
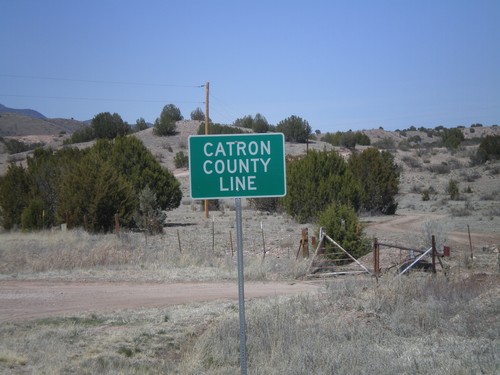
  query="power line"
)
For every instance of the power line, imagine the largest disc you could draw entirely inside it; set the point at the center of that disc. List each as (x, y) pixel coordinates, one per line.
(100, 82)
(223, 109)
(99, 99)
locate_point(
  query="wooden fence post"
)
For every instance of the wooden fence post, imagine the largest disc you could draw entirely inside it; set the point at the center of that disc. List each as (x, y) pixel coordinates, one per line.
(305, 243)
(376, 257)
(231, 242)
(433, 254)
(179, 241)
(263, 240)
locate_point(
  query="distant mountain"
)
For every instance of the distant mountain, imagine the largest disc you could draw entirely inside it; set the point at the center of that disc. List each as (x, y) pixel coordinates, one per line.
(14, 124)
(24, 112)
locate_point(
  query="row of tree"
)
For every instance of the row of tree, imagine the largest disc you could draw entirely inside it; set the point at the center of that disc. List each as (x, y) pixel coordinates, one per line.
(88, 187)
(109, 126)
(294, 128)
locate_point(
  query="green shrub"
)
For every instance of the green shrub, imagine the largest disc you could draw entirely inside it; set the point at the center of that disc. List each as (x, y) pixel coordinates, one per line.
(385, 144)
(452, 138)
(489, 148)
(165, 125)
(346, 139)
(14, 195)
(109, 126)
(14, 146)
(138, 165)
(181, 160)
(340, 222)
(92, 193)
(379, 178)
(85, 134)
(140, 125)
(164, 128)
(258, 123)
(295, 129)
(198, 115)
(426, 195)
(453, 190)
(103, 126)
(317, 180)
(149, 217)
(219, 129)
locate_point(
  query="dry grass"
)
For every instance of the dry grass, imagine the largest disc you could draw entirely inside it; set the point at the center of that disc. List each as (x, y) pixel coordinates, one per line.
(401, 326)
(79, 254)
(138, 342)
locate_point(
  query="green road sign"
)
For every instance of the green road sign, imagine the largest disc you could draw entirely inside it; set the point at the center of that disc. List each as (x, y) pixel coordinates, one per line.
(237, 166)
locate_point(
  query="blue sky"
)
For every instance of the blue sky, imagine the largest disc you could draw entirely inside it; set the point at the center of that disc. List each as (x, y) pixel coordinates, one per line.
(337, 64)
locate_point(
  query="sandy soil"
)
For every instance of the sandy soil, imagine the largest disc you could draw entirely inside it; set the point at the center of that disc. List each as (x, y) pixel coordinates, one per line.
(22, 300)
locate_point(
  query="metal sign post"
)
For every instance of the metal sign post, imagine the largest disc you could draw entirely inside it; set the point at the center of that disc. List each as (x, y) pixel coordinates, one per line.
(241, 288)
(236, 166)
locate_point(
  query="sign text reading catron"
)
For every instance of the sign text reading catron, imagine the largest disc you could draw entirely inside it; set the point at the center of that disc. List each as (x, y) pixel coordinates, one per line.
(251, 158)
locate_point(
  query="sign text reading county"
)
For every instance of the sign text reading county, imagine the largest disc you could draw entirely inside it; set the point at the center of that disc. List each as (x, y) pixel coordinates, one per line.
(236, 165)
(240, 165)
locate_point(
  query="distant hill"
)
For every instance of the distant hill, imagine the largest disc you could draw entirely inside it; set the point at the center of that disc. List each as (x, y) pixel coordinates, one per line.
(24, 112)
(15, 124)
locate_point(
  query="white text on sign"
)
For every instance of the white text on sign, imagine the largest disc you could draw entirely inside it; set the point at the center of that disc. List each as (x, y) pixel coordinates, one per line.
(251, 159)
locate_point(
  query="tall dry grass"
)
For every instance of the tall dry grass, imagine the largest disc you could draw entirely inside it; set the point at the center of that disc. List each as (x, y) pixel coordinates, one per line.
(184, 253)
(402, 326)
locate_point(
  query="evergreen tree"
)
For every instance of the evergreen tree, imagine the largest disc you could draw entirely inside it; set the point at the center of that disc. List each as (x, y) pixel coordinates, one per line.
(140, 124)
(260, 124)
(14, 195)
(489, 148)
(149, 216)
(134, 161)
(317, 180)
(341, 224)
(92, 192)
(452, 138)
(109, 126)
(379, 177)
(166, 124)
(198, 115)
(45, 169)
(295, 129)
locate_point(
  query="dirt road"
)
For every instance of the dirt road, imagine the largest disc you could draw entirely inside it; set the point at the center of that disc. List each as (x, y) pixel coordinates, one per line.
(401, 227)
(22, 300)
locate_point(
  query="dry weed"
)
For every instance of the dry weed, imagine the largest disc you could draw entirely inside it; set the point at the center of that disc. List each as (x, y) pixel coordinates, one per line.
(405, 325)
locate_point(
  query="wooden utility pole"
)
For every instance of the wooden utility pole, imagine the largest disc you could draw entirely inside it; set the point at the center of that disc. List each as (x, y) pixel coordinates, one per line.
(207, 88)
